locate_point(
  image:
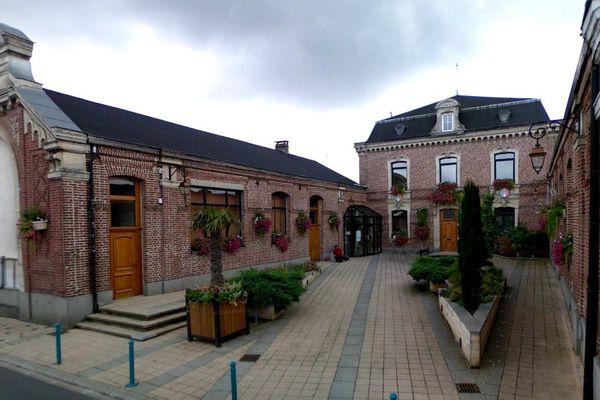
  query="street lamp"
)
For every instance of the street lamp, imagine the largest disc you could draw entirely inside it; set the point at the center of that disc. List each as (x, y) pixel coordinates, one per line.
(537, 154)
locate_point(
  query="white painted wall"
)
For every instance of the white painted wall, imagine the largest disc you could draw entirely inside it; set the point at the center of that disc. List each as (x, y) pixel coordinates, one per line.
(9, 215)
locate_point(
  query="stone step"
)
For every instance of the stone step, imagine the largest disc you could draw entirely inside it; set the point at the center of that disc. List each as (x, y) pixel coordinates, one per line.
(135, 323)
(117, 330)
(147, 307)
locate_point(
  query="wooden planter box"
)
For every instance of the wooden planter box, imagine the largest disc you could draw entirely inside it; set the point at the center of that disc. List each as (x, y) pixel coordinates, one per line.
(216, 322)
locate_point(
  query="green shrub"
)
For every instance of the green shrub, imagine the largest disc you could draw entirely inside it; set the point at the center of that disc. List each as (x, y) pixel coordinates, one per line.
(518, 237)
(231, 292)
(433, 269)
(277, 286)
(492, 279)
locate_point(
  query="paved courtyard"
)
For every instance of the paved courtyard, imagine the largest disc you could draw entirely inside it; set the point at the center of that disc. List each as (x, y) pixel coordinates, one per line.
(361, 331)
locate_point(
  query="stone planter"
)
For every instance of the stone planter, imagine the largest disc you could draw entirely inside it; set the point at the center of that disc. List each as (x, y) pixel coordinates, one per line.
(40, 225)
(309, 277)
(268, 312)
(435, 286)
(471, 332)
(216, 322)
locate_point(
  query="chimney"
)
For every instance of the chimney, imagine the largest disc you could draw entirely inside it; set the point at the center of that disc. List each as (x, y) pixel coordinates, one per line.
(15, 52)
(283, 146)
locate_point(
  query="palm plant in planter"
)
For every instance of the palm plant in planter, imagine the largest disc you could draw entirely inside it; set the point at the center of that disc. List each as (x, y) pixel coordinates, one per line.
(216, 312)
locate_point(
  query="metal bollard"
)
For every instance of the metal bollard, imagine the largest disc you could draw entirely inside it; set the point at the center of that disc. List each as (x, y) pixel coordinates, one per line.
(57, 331)
(233, 381)
(132, 382)
(393, 396)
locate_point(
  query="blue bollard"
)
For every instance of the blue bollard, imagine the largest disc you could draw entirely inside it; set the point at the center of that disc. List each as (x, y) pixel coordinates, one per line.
(233, 381)
(132, 382)
(58, 347)
(393, 396)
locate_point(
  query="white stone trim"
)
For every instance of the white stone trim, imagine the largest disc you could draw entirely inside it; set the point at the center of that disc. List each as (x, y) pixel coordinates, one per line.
(216, 185)
(493, 165)
(437, 166)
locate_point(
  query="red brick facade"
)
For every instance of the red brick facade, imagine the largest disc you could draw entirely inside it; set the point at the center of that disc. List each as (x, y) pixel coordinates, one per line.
(474, 152)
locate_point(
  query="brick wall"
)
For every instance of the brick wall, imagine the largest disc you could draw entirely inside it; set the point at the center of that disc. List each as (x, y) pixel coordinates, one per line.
(475, 162)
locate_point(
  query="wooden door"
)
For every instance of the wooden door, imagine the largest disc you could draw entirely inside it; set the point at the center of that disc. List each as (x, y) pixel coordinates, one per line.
(448, 230)
(125, 234)
(314, 238)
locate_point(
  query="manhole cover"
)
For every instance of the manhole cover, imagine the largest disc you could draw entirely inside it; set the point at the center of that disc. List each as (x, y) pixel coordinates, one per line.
(250, 357)
(467, 388)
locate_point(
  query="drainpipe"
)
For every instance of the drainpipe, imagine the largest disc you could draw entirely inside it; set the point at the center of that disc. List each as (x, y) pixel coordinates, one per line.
(92, 228)
(591, 315)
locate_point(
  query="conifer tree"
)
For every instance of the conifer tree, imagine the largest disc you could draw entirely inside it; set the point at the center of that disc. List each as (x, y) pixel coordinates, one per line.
(472, 252)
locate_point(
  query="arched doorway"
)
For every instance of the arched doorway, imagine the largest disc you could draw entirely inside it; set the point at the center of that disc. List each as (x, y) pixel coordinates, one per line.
(125, 238)
(314, 238)
(11, 270)
(362, 231)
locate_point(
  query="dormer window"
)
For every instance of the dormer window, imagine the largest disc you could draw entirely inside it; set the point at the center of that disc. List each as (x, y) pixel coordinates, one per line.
(448, 122)
(447, 118)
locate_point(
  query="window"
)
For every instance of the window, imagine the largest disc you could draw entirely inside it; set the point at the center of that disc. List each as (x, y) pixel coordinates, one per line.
(448, 169)
(399, 222)
(447, 122)
(504, 165)
(279, 213)
(505, 218)
(123, 197)
(218, 198)
(400, 173)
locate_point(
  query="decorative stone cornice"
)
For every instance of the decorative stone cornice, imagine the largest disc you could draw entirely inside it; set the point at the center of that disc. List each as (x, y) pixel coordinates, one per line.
(364, 147)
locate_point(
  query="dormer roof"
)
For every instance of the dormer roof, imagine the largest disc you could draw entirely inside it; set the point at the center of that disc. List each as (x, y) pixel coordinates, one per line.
(475, 113)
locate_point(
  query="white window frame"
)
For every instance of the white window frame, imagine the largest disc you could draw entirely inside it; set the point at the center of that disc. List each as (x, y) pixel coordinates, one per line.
(437, 167)
(493, 163)
(389, 171)
(447, 117)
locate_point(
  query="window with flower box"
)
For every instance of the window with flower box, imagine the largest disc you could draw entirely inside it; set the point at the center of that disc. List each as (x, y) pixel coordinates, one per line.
(504, 165)
(448, 169)
(399, 171)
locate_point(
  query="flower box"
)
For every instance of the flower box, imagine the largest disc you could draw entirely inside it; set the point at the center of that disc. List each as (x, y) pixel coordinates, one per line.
(40, 225)
(216, 322)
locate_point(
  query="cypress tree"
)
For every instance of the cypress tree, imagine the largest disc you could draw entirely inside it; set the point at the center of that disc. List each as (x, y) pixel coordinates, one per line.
(472, 252)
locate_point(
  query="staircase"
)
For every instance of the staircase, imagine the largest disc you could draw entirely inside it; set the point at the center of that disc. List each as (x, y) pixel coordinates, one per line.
(140, 317)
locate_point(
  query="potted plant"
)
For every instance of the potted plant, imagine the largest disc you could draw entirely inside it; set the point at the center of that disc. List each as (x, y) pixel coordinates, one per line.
(216, 313)
(400, 238)
(398, 190)
(445, 193)
(334, 221)
(281, 241)
(32, 220)
(262, 224)
(422, 230)
(499, 184)
(303, 222)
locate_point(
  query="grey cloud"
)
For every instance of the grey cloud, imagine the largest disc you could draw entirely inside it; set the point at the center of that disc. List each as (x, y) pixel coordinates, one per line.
(310, 52)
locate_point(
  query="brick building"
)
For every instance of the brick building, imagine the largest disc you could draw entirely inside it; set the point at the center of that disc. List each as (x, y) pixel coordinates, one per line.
(118, 190)
(453, 140)
(574, 182)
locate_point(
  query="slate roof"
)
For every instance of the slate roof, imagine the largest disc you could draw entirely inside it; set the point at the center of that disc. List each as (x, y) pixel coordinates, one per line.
(475, 113)
(113, 123)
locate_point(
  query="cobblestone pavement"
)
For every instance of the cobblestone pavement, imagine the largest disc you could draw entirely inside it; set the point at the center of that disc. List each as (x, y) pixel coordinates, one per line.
(361, 331)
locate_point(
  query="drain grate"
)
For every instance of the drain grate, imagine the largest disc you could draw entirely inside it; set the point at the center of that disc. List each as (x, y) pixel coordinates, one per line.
(467, 388)
(250, 357)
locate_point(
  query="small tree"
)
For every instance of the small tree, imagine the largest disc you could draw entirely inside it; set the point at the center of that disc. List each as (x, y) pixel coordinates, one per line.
(212, 221)
(472, 252)
(488, 220)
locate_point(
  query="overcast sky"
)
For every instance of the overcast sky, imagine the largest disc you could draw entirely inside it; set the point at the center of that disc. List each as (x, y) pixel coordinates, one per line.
(317, 73)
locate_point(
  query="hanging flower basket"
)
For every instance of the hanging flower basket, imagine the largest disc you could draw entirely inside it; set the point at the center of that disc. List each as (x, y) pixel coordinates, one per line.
(262, 224)
(201, 246)
(334, 221)
(281, 241)
(500, 184)
(445, 193)
(303, 222)
(232, 245)
(32, 220)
